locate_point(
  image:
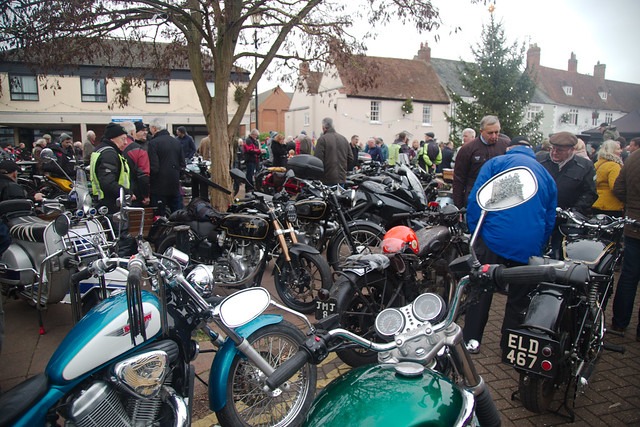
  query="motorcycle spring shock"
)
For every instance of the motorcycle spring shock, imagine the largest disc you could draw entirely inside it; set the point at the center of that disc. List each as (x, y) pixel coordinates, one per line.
(593, 293)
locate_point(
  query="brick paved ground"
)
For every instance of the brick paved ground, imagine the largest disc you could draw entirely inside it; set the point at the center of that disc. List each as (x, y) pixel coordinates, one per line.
(613, 398)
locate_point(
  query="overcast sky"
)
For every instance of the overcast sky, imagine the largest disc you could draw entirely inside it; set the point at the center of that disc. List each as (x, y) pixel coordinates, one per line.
(594, 30)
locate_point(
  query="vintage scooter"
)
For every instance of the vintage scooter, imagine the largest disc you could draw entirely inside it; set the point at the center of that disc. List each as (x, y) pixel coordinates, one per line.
(39, 264)
(425, 375)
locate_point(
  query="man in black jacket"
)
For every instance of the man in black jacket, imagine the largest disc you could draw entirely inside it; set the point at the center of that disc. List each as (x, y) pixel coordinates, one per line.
(109, 170)
(64, 153)
(167, 162)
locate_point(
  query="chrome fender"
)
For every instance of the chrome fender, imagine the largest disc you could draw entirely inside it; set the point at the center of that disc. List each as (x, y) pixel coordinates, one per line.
(221, 365)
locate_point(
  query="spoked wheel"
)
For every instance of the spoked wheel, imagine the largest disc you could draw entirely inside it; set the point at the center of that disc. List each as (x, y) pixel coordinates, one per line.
(366, 239)
(536, 393)
(298, 282)
(247, 402)
(358, 310)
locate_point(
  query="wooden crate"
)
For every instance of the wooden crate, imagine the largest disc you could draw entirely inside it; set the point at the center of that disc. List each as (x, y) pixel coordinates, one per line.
(447, 175)
(134, 222)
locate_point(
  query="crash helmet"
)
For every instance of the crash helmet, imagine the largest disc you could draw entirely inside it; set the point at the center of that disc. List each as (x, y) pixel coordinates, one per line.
(400, 239)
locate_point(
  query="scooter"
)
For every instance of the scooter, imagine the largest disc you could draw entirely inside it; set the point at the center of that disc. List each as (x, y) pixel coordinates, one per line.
(128, 361)
(408, 386)
(39, 264)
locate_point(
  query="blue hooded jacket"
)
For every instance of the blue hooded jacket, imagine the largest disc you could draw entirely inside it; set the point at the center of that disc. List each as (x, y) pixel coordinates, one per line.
(523, 231)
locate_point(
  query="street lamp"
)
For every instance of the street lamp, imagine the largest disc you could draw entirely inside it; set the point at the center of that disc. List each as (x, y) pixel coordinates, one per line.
(256, 18)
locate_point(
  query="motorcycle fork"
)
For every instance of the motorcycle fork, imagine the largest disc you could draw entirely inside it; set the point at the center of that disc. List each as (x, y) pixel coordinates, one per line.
(462, 361)
(343, 222)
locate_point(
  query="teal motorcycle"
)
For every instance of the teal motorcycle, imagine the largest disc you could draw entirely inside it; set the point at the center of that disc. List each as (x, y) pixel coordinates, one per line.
(128, 361)
(424, 375)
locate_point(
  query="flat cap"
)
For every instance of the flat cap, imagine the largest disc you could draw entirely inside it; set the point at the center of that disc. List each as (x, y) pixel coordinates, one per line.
(563, 139)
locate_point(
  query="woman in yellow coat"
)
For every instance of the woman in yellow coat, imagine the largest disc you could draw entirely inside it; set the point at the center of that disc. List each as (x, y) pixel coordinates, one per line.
(607, 170)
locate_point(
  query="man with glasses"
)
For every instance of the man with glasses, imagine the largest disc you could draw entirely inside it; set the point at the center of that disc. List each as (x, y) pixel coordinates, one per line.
(473, 155)
(574, 177)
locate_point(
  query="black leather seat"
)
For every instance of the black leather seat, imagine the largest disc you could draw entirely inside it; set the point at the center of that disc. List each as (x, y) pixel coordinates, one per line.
(28, 228)
(19, 399)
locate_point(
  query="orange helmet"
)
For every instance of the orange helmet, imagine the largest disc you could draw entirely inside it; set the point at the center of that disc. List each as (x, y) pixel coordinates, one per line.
(400, 238)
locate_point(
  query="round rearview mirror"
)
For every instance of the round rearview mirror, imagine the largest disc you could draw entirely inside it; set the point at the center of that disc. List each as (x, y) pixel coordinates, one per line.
(47, 155)
(507, 190)
(243, 306)
(61, 225)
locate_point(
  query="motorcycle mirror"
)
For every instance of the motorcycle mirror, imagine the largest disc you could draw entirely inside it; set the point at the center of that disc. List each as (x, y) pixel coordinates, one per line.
(507, 190)
(237, 174)
(243, 306)
(61, 225)
(47, 155)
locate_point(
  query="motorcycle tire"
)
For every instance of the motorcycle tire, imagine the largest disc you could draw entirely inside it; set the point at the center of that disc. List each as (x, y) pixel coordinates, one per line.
(247, 403)
(536, 393)
(357, 310)
(367, 239)
(298, 282)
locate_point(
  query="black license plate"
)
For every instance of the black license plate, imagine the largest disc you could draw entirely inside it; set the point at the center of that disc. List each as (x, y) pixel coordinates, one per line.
(531, 352)
(326, 308)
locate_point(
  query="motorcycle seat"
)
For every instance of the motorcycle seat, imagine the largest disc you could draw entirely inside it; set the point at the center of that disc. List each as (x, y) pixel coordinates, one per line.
(20, 398)
(28, 228)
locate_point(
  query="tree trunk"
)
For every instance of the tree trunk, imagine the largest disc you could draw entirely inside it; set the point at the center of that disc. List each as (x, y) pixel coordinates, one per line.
(220, 150)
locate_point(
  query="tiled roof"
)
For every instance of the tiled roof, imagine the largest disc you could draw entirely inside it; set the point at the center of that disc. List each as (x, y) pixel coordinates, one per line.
(585, 90)
(395, 79)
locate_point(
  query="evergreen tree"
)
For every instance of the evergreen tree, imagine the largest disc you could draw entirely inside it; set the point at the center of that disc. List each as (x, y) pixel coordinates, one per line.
(499, 85)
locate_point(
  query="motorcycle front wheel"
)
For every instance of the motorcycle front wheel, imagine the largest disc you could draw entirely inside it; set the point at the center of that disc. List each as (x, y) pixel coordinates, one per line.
(298, 282)
(247, 402)
(366, 239)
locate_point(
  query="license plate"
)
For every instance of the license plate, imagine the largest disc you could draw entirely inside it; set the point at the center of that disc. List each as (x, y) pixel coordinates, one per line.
(531, 352)
(326, 308)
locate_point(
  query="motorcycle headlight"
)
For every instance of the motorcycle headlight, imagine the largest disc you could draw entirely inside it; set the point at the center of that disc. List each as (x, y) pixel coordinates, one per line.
(143, 374)
(201, 278)
(292, 215)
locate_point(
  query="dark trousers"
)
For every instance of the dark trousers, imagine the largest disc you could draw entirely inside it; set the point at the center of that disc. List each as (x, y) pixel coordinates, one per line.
(627, 285)
(251, 170)
(172, 202)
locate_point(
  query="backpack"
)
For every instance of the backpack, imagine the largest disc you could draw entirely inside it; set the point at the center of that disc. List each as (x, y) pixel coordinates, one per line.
(201, 210)
(432, 151)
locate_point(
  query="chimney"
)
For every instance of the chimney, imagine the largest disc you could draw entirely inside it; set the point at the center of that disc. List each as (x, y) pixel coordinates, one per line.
(304, 69)
(573, 63)
(425, 52)
(598, 70)
(533, 56)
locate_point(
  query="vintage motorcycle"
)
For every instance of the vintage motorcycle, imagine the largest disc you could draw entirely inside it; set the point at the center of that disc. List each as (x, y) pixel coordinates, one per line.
(128, 361)
(39, 264)
(413, 262)
(238, 246)
(407, 387)
(563, 333)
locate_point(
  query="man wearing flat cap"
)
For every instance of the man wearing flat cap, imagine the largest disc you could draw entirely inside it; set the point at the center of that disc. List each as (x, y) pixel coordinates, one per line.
(109, 170)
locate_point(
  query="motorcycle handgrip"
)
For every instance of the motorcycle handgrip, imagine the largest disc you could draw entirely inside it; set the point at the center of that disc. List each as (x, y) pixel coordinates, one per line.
(81, 275)
(134, 278)
(287, 369)
(525, 275)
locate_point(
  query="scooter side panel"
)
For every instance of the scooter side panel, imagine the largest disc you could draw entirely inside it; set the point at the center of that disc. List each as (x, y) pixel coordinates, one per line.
(219, 373)
(102, 335)
(376, 396)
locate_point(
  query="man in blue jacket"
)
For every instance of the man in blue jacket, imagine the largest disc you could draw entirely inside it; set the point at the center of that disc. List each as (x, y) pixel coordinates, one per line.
(509, 237)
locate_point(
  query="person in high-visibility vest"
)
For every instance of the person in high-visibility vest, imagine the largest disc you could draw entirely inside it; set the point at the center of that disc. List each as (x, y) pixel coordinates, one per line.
(109, 170)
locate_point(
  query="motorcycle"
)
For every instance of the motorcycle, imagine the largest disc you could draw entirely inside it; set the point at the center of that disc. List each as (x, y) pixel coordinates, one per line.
(563, 334)
(237, 247)
(272, 180)
(404, 387)
(413, 262)
(128, 361)
(39, 264)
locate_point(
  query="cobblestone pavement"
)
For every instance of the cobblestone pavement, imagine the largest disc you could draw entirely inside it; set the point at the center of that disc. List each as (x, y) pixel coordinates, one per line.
(613, 398)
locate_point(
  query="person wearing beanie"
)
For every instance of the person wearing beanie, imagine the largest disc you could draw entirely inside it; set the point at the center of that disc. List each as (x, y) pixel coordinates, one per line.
(141, 135)
(63, 151)
(186, 142)
(109, 170)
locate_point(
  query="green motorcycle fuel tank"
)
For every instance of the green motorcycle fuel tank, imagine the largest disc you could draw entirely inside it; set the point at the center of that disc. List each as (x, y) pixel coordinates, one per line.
(377, 395)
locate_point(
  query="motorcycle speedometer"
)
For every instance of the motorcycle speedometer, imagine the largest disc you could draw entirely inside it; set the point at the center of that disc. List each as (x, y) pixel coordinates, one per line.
(428, 307)
(389, 322)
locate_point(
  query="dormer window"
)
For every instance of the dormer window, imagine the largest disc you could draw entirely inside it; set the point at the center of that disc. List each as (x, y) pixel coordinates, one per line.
(603, 95)
(568, 90)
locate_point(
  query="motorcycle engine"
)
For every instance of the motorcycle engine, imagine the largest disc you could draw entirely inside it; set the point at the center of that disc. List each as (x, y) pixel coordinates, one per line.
(239, 261)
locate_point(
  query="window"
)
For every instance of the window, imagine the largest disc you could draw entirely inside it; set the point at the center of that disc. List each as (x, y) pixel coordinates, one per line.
(93, 90)
(23, 88)
(375, 111)
(573, 116)
(568, 90)
(532, 112)
(608, 117)
(426, 114)
(306, 119)
(157, 92)
(603, 95)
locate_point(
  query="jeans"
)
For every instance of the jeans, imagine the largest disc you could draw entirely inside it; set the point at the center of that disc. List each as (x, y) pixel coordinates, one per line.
(251, 170)
(627, 285)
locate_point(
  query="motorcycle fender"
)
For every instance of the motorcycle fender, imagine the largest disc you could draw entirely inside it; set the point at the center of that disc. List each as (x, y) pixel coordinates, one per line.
(368, 223)
(376, 395)
(221, 365)
(547, 307)
(298, 249)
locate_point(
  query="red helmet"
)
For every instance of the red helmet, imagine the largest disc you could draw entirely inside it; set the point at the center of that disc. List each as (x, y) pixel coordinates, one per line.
(400, 238)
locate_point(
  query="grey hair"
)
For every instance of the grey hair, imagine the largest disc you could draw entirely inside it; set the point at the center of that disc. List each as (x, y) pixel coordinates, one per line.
(327, 123)
(255, 132)
(471, 131)
(489, 121)
(158, 123)
(608, 149)
(41, 141)
(128, 127)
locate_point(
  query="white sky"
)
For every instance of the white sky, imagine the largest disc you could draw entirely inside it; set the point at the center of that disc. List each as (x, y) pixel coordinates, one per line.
(595, 30)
